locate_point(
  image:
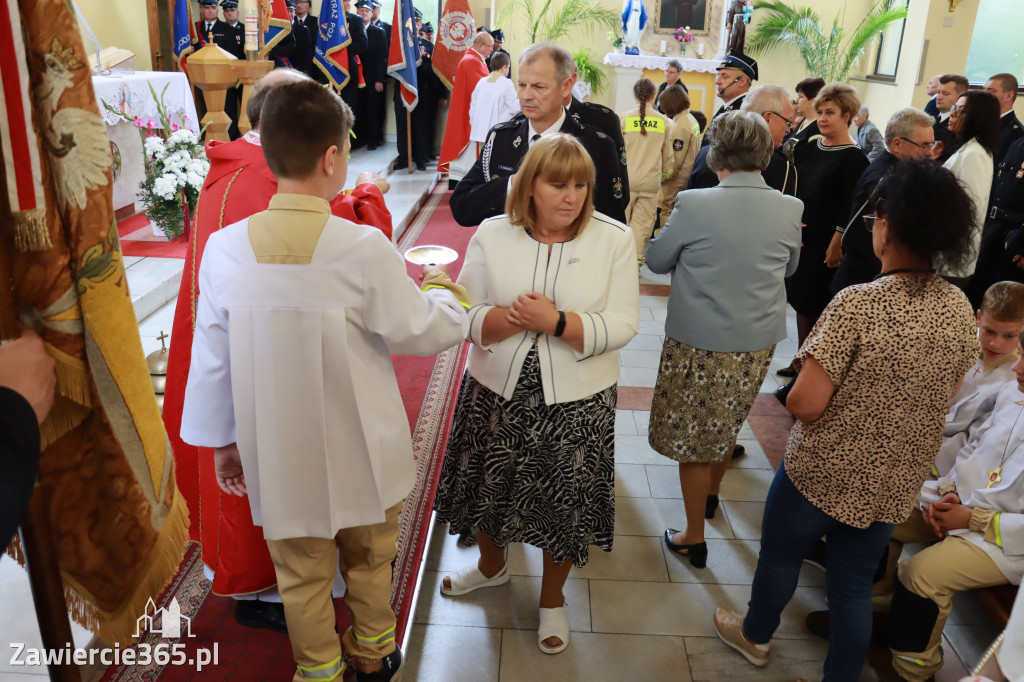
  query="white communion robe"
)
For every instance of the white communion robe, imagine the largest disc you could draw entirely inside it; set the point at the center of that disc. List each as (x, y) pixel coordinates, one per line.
(987, 446)
(293, 362)
(969, 408)
(493, 102)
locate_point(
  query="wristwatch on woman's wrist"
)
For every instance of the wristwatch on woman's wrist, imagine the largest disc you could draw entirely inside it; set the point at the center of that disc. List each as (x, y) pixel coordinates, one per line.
(560, 327)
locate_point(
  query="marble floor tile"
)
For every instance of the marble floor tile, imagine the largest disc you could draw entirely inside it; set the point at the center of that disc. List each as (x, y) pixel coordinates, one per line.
(749, 485)
(645, 315)
(744, 518)
(654, 301)
(639, 358)
(128, 261)
(633, 557)
(645, 342)
(631, 481)
(449, 653)
(754, 459)
(664, 480)
(651, 516)
(649, 326)
(160, 321)
(638, 376)
(636, 450)
(686, 608)
(660, 314)
(593, 656)
(625, 425)
(730, 562)
(512, 605)
(643, 420)
(711, 660)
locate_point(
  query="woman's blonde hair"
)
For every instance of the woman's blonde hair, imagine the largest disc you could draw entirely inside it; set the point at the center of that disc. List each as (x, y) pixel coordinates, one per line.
(842, 95)
(556, 158)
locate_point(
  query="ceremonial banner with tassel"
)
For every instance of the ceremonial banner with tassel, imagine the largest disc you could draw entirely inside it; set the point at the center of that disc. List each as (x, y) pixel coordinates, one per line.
(331, 53)
(120, 527)
(184, 32)
(276, 26)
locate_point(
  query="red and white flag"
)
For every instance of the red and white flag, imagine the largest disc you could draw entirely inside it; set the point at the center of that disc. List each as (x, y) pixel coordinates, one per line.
(455, 33)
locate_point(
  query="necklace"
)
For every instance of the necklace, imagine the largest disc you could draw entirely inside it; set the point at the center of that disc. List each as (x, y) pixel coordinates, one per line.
(898, 271)
(995, 476)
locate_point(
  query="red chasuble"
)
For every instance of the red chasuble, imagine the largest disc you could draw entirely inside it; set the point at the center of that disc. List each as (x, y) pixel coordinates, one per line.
(456, 133)
(238, 185)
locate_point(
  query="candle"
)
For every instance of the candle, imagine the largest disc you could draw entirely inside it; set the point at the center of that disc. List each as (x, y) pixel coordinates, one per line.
(663, 47)
(700, 49)
(251, 21)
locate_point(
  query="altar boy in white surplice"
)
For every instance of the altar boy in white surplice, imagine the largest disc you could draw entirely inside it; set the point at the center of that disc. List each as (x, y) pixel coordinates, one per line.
(975, 516)
(292, 383)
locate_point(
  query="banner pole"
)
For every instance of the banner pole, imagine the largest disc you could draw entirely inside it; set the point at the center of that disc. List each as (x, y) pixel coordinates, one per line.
(408, 137)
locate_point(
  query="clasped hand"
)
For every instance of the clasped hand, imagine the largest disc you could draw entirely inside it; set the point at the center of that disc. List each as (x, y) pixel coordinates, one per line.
(946, 514)
(533, 312)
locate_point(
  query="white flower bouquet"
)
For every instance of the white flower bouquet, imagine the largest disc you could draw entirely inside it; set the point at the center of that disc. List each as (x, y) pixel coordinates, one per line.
(176, 167)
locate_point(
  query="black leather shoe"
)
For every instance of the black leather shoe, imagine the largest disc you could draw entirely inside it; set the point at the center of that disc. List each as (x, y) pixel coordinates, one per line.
(390, 666)
(261, 614)
(737, 452)
(710, 506)
(697, 553)
(782, 393)
(421, 166)
(789, 371)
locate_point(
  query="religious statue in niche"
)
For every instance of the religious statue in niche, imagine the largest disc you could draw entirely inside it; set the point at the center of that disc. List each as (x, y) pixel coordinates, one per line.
(675, 13)
(736, 23)
(634, 21)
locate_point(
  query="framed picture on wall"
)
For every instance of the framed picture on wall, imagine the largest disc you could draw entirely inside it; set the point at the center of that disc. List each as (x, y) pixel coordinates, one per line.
(672, 14)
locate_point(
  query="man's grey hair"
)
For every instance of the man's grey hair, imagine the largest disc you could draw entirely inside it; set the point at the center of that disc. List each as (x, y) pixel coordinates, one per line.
(559, 55)
(765, 98)
(740, 141)
(905, 122)
(674, 64)
(863, 111)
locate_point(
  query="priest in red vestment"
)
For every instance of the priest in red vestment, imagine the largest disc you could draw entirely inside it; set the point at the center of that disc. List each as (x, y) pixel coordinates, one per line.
(471, 69)
(238, 185)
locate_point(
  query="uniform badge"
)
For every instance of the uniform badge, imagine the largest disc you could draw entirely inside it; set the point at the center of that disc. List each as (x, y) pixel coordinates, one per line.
(576, 117)
(677, 145)
(622, 159)
(617, 188)
(1020, 174)
(601, 135)
(518, 141)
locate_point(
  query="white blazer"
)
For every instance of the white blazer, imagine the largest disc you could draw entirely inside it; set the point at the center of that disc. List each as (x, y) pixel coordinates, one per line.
(594, 275)
(973, 167)
(293, 363)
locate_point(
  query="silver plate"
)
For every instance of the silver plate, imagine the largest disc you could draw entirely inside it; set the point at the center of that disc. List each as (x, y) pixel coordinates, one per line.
(430, 254)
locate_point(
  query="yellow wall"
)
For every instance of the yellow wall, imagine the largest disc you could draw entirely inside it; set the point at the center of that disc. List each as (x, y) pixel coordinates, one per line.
(119, 23)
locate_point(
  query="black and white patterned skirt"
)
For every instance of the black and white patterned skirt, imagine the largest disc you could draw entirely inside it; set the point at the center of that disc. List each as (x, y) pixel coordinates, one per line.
(523, 471)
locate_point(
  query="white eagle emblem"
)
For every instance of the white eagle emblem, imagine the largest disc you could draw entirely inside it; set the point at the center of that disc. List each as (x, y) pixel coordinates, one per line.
(456, 30)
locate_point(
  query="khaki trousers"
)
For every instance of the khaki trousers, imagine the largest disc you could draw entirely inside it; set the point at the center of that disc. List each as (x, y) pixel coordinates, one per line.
(640, 217)
(305, 575)
(937, 573)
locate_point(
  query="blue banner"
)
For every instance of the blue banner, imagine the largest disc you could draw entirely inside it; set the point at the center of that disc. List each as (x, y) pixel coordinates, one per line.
(184, 31)
(332, 38)
(404, 53)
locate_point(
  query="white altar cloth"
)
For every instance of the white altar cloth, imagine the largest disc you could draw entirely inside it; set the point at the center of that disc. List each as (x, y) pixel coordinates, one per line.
(653, 61)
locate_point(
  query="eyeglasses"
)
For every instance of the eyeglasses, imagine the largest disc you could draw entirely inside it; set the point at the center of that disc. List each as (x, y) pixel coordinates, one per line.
(929, 146)
(789, 124)
(869, 221)
(956, 109)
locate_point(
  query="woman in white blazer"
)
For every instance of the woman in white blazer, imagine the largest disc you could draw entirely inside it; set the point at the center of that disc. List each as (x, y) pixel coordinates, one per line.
(555, 294)
(974, 119)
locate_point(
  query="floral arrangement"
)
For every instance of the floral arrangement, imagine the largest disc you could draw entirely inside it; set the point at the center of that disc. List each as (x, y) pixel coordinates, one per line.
(615, 38)
(683, 35)
(176, 167)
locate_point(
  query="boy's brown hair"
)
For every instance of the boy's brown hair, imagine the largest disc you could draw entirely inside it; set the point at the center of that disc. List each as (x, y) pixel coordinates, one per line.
(299, 122)
(1004, 301)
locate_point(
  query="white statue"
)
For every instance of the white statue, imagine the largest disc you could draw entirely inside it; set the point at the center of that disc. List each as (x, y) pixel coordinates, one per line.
(634, 21)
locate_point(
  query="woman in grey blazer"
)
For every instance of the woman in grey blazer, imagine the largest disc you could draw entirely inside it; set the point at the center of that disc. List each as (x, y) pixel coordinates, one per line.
(729, 249)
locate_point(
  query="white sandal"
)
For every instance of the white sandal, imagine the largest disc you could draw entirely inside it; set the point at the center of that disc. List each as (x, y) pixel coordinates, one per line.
(466, 580)
(553, 623)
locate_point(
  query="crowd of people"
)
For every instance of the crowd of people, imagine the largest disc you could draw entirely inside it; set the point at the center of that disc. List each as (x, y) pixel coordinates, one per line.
(901, 252)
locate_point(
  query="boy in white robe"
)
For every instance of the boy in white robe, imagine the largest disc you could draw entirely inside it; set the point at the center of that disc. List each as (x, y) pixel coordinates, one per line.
(494, 99)
(974, 515)
(1000, 321)
(291, 382)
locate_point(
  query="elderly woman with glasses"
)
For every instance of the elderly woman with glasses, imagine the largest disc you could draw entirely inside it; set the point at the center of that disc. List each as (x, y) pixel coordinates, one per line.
(531, 457)
(673, 71)
(870, 402)
(729, 249)
(974, 120)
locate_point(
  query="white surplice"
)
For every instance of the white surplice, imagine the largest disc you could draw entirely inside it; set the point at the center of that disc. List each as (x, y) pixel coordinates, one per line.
(493, 102)
(293, 362)
(999, 439)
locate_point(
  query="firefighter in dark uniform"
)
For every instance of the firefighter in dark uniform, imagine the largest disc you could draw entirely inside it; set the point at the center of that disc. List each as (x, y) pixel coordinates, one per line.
(481, 194)
(369, 107)
(210, 26)
(499, 39)
(377, 21)
(233, 41)
(436, 89)
(1001, 254)
(607, 121)
(735, 77)
(356, 52)
(305, 42)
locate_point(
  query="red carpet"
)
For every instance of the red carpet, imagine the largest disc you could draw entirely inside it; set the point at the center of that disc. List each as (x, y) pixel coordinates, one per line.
(429, 389)
(771, 424)
(137, 239)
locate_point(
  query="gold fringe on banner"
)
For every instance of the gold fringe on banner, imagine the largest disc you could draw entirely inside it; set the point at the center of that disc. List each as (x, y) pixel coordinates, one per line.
(73, 379)
(30, 230)
(64, 417)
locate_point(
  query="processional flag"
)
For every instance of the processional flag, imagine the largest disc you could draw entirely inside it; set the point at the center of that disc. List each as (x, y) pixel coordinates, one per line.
(184, 31)
(276, 26)
(404, 56)
(331, 55)
(119, 525)
(455, 32)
